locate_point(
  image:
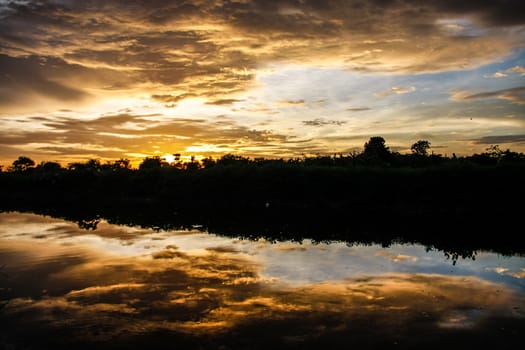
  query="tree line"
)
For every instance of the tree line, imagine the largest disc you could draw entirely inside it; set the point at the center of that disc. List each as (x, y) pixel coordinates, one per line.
(375, 153)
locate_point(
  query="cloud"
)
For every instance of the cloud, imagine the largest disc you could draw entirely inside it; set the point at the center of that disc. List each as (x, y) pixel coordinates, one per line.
(491, 12)
(224, 249)
(499, 139)
(45, 76)
(224, 101)
(397, 257)
(495, 75)
(514, 95)
(170, 101)
(32, 81)
(115, 136)
(505, 271)
(323, 122)
(396, 90)
(291, 102)
(358, 109)
(213, 49)
(171, 98)
(516, 69)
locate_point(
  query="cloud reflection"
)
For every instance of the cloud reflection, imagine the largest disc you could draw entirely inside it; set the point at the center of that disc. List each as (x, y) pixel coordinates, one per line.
(87, 291)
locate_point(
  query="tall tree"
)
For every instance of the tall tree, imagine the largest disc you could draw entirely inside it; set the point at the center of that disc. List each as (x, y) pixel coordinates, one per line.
(375, 150)
(23, 164)
(420, 147)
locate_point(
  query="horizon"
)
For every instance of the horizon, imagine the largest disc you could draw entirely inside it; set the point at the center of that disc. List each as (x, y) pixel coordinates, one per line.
(175, 159)
(109, 80)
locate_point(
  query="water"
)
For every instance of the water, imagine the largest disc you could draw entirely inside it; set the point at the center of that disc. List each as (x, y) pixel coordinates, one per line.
(129, 287)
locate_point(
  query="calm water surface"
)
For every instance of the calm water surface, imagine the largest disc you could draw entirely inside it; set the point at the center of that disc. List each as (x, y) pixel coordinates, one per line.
(128, 287)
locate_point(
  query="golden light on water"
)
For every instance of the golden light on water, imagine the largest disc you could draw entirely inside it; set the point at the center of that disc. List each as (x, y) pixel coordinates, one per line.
(85, 286)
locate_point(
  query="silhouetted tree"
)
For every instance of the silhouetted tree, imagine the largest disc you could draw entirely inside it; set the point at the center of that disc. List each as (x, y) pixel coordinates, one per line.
(152, 163)
(491, 156)
(120, 164)
(375, 150)
(208, 162)
(192, 165)
(511, 157)
(420, 148)
(92, 166)
(23, 164)
(49, 167)
(493, 151)
(231, 159)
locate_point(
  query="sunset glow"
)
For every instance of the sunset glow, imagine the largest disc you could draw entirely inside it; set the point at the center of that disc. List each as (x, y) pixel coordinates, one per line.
(109, 80)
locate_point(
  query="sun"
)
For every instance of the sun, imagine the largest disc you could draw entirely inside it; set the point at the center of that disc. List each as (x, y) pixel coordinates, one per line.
(170, 158)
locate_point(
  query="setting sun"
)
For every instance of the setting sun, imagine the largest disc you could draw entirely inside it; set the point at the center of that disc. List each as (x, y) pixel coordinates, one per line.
(170, 158)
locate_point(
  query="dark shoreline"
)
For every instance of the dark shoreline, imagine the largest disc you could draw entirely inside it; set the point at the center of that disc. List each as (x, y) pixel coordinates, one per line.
(459, 210)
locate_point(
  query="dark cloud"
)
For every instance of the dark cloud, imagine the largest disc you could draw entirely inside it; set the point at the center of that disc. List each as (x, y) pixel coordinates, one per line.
(499, 139)
(358, 109)
(38, 75)
(284, 21)
(323, 122)
(83, 151)
(515, 95)
(150, 50)
(222, 102)
(224, 249)
(292, 102)
(493, 12)
(26, 78)
(171, 98)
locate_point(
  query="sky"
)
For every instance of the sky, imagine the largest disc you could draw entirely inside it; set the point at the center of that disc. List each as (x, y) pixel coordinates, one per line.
(131, 79)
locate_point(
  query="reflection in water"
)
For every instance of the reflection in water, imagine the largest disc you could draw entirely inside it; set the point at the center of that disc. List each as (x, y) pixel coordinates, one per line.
(126, 287)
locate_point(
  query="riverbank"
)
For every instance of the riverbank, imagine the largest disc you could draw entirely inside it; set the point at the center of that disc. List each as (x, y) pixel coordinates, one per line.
(461, 208)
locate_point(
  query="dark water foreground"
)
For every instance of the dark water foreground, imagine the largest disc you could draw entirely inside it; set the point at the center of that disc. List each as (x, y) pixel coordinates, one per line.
(109, 286)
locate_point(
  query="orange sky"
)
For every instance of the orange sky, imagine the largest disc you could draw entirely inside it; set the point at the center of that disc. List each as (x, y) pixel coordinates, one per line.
(112, 79)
